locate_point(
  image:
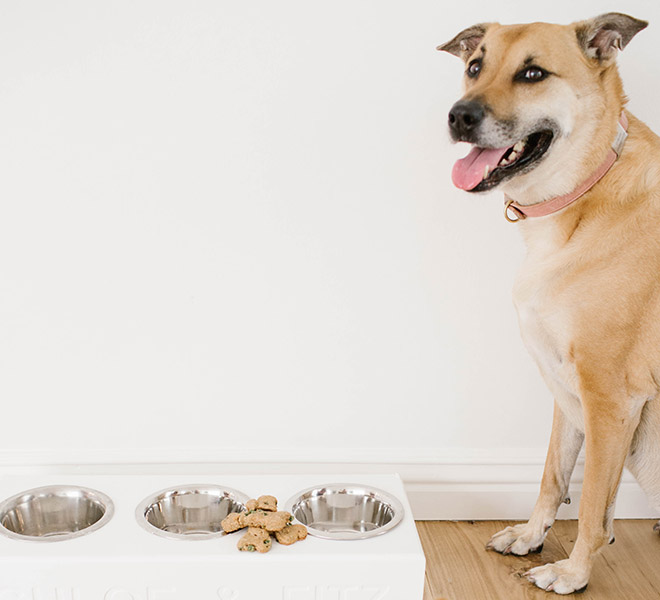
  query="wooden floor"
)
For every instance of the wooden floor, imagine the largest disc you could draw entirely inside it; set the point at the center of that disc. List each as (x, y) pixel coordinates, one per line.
(459, 568)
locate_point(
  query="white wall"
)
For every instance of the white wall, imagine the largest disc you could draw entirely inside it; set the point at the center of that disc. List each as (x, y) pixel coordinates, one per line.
(228, 230)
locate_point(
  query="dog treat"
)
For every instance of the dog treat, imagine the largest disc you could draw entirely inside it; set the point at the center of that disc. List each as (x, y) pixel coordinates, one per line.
(270, 521)
(262, 519)
(232, 522)
(267, 503)
(255, 540)
(291, 534)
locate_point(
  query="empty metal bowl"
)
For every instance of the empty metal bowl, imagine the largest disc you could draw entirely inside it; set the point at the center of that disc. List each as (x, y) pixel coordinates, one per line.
(190, 512)
(54, 513)
(346, 511)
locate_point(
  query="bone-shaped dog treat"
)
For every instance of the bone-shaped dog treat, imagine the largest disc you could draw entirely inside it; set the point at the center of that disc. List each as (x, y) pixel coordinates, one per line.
(270, 521)
(291, 534)
(262, 519)
(255, 540)
(268, 503)
(232, 522)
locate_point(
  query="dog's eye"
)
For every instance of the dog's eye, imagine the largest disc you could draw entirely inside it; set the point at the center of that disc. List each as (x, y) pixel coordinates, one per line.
(534, 74)
(474, 68)
(531, 75)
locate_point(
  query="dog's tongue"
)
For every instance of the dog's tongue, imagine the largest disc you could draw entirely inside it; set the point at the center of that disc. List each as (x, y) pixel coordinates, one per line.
(469, 171)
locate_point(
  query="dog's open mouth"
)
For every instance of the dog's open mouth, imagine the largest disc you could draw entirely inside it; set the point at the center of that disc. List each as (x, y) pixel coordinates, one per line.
(484, 168)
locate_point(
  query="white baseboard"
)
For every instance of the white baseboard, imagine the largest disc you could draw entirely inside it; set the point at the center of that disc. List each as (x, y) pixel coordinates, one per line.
(442, 484)
(510, 501)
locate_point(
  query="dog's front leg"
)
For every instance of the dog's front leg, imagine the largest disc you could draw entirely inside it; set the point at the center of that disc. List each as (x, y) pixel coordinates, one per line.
(565, 444)
(609, 428)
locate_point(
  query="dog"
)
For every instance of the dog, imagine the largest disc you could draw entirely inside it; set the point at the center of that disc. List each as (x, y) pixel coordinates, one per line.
(544, 109)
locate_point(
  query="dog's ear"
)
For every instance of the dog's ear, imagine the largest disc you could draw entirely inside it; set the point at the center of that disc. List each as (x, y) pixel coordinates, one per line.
(602, 36)
(466, 42)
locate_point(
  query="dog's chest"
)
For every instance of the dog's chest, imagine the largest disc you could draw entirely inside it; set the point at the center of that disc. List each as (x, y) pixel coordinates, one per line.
(546, 333)
(545, 325)
(546, 341)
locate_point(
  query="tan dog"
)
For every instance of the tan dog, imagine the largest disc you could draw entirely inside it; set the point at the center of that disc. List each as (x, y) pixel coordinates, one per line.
(543, 106)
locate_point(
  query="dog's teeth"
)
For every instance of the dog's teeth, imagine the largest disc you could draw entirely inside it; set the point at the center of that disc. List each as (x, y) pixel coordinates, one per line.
(486, 171)
(509, 159)
(515, 152)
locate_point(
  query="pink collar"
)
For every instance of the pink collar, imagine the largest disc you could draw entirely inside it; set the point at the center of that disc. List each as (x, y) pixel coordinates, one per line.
(547, 207)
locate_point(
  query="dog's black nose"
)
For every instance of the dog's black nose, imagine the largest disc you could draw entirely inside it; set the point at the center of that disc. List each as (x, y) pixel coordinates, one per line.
(464, 117)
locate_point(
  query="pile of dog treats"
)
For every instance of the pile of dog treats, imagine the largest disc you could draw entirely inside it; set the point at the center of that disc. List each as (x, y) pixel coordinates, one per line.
(262, 519)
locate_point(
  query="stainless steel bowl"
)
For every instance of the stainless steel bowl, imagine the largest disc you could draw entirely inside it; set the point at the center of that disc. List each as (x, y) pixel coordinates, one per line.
(189, 512)
(54, 513)
(346, 511)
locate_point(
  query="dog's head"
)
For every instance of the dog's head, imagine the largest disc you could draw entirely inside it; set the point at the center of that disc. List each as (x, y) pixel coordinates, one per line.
(535, 99)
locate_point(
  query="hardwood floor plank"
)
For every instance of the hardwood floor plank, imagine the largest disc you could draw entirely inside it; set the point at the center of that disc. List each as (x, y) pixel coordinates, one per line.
(428, 595)
(459, 567)
(626, 569)
(637, 538)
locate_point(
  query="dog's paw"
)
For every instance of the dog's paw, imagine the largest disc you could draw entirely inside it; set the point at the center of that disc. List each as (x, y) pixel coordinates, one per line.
(562, 577)
(519, 539)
